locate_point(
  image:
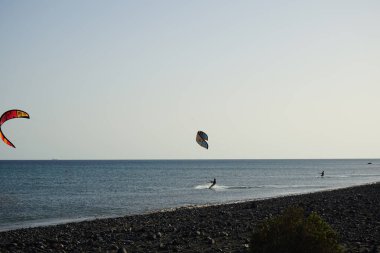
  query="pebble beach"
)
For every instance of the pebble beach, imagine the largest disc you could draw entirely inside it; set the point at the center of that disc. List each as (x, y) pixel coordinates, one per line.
(353, 212)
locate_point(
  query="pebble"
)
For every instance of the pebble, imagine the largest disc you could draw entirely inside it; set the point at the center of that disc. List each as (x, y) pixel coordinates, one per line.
(210, 240)
(122, 250)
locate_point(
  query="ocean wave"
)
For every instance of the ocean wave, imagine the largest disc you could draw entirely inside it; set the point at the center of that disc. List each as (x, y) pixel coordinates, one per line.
(227, 187)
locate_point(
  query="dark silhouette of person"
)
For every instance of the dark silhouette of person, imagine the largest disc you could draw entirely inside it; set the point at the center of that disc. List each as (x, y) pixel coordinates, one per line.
(323, 173)
(212, 183)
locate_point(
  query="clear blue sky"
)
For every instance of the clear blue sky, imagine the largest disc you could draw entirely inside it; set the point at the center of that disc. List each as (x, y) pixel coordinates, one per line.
(137, 79)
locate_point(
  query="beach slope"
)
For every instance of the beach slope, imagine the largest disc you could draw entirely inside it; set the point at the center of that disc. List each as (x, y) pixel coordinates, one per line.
(353, 212)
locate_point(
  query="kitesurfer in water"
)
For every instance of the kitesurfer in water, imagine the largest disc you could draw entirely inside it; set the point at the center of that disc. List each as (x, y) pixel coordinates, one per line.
(322, 173)
(212, 183)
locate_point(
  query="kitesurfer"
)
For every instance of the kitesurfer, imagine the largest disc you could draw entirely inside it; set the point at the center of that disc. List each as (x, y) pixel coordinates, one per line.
(322, 173)
(212, 183)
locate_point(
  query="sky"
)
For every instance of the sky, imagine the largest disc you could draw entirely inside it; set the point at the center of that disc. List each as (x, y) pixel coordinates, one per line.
(138, 79)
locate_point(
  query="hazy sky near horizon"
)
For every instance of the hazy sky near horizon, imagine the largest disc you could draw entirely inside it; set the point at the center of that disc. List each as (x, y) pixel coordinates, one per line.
(138, 79)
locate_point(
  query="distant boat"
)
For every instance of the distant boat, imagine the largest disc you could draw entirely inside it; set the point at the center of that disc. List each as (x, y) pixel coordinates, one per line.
(369, 163)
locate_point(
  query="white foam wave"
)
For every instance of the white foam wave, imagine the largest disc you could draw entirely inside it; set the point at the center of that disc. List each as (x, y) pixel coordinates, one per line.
(207, 186)
(226, 187)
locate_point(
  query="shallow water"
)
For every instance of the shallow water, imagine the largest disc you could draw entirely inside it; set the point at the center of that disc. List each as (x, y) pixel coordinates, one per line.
(49, 192)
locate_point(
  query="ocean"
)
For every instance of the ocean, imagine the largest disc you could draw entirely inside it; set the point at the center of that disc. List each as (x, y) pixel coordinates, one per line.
(36, 193)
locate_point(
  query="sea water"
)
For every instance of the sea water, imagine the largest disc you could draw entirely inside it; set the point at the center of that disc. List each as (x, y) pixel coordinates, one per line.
(34, 193)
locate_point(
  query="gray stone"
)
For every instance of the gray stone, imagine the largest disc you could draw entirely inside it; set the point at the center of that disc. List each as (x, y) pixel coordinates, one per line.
(122, 250)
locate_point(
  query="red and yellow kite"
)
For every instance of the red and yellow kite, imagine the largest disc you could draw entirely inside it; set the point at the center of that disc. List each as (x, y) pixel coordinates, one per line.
(11, 114)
